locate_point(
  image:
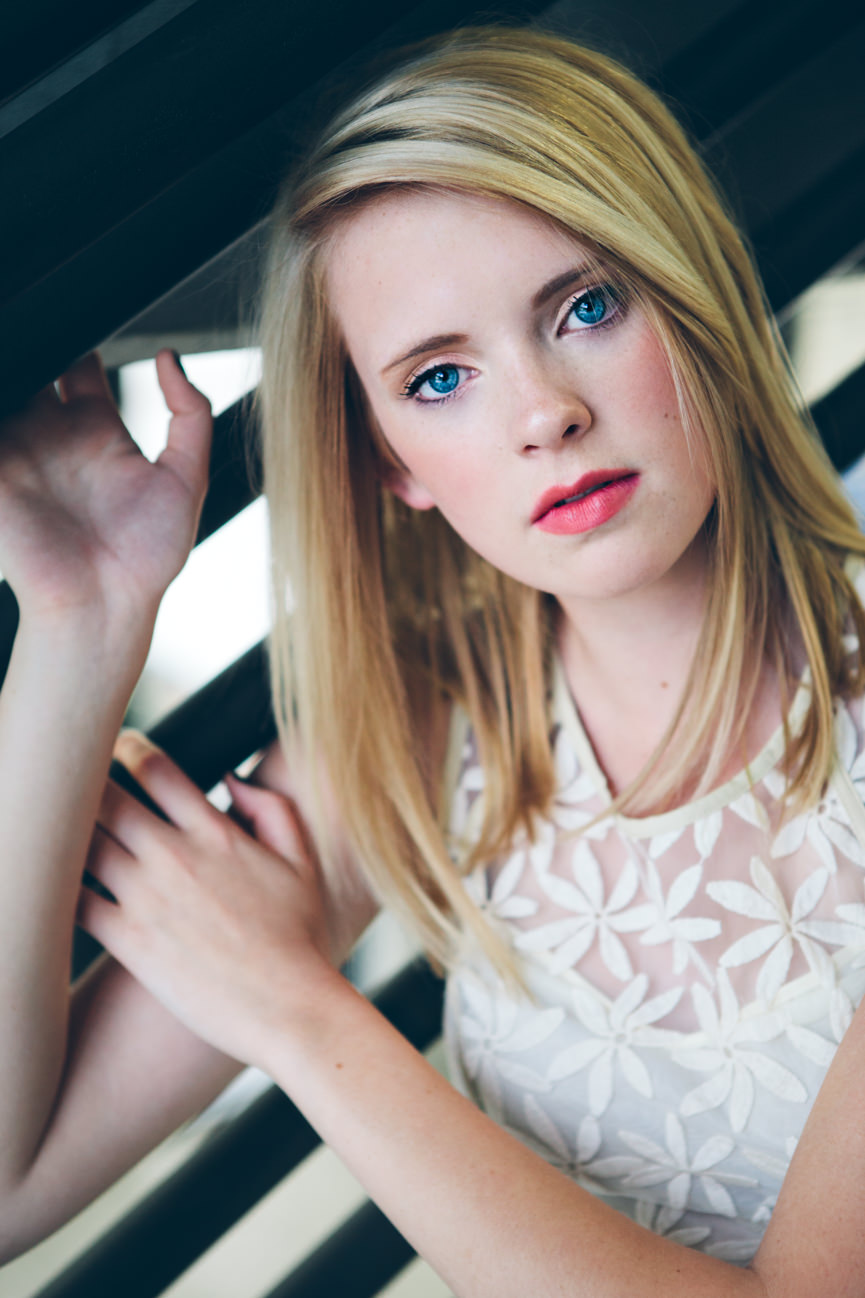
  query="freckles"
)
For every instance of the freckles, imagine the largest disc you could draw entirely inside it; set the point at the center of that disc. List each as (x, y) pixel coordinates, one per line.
(643, 380)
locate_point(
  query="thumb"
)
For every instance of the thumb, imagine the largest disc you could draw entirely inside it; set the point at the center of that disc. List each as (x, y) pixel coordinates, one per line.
(271, 817)
(187, 451)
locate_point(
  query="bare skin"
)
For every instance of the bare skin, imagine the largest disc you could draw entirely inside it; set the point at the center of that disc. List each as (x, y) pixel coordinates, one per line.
(90, 535)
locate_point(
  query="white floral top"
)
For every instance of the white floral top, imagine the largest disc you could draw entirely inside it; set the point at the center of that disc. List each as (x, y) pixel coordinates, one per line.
(693, 973)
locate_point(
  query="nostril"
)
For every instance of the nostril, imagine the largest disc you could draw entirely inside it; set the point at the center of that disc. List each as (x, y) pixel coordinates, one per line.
(547, 425)
(572, 430)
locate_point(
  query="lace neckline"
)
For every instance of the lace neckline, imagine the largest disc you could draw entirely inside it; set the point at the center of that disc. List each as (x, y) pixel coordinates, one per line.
(564, 711)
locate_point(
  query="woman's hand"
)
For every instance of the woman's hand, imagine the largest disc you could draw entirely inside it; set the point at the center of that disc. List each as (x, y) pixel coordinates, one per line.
(228, 931)
(86, 521)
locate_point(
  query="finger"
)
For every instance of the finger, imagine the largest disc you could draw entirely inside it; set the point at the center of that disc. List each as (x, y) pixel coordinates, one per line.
(45, 400)
(41, 405)
(86, 378)
(180, 799)
(125, 815)
(189, 434)
(119, 775)
(97, 916)
(181, 396)
(272, 818)
(108, 862)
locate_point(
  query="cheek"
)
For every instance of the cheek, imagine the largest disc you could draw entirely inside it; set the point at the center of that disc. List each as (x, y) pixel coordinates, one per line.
(650, 391)
(458, 483)
(654, 395)
(448, 463)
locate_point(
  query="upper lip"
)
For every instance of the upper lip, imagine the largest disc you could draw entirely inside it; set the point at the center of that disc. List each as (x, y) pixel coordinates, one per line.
(555, 495)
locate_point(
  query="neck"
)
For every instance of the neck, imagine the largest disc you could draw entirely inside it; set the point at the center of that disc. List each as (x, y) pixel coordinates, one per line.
(627, 658)
(642, 637)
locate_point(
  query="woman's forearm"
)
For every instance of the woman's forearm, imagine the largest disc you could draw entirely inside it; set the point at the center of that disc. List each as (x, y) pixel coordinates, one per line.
(816, 1231)
(230, 933)
(492, 1218)
(91, 533)
(60, 708)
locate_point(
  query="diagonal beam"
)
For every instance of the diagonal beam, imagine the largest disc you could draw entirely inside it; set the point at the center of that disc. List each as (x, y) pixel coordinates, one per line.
(356, 1261)
(838, 416)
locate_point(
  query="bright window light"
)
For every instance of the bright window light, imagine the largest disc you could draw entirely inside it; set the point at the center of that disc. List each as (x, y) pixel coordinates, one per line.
(219, 605)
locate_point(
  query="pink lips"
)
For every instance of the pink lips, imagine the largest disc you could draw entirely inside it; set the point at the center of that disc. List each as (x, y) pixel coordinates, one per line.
(602, 493)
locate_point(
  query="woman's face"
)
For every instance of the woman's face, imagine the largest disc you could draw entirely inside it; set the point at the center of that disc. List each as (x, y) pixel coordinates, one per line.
(507, 376)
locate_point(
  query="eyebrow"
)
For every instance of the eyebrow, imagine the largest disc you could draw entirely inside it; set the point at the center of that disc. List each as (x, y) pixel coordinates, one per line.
(559, 282)
(436, 342)
(431, 344)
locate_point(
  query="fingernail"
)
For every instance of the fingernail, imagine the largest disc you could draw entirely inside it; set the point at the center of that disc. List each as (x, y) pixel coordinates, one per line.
(178, 362)
(130, 735)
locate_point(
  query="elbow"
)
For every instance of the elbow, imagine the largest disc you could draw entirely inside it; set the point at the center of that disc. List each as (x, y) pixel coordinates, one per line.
(12, 1241)
(23, 1223)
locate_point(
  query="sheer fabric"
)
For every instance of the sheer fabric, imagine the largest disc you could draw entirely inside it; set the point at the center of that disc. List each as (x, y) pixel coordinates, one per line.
(691, 976)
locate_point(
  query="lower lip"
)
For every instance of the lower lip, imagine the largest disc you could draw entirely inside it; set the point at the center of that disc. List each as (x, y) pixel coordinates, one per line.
(591, 511)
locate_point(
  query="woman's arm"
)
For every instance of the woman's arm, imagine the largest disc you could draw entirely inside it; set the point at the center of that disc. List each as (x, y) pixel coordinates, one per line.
(133, 1072)
(90, 535)
(489, 1215)
(497, 1222)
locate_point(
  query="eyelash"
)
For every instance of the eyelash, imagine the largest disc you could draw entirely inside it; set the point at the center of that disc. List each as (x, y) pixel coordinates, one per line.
(613, 298)
(416, 381)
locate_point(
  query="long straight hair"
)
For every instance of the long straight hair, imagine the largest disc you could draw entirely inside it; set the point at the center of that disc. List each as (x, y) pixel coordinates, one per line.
(389, 612)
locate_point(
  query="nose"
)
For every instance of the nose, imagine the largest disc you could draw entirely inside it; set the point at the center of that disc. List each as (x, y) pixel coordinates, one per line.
(550, 410)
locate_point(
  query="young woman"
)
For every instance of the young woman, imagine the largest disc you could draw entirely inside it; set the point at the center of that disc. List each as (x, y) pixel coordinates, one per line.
(571, 678)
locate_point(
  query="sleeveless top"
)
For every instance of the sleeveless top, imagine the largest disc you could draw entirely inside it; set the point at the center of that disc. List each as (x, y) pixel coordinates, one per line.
(690, 976)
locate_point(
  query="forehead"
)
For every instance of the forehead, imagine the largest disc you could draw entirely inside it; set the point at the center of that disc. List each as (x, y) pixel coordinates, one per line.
(442, 254)
(409, 204)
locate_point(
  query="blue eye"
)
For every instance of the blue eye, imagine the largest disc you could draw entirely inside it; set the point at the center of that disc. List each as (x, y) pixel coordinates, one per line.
(441, 381)
(594, 307)
(591, 308)
(444, 380)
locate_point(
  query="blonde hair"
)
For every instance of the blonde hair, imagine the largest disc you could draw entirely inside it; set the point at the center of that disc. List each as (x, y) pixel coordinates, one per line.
(392, 611)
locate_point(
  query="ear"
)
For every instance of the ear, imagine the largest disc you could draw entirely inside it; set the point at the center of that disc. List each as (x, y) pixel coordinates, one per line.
(407, 489)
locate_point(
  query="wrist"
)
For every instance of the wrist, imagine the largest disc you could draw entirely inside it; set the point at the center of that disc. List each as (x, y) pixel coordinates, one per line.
(302, 1023)
(86, 643)
(80, 614)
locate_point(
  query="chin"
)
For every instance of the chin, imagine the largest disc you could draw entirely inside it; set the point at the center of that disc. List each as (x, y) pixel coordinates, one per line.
(637, 569)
